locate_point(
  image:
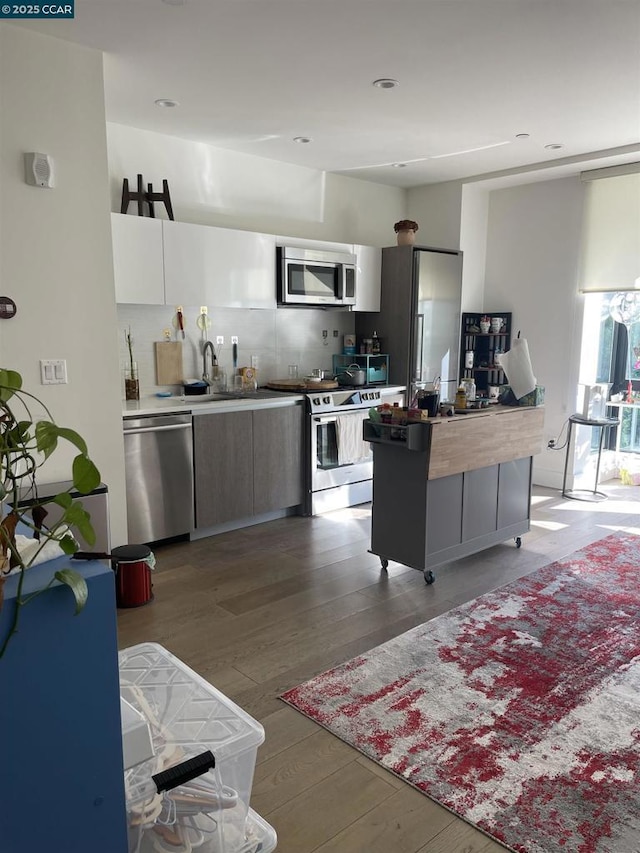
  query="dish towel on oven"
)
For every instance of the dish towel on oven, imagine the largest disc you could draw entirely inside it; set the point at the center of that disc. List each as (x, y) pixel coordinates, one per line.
(351, 446)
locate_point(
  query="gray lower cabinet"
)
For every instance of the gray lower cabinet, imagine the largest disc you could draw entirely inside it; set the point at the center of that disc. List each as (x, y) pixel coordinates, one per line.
(277, 458)
(247, 463)
(223, 460)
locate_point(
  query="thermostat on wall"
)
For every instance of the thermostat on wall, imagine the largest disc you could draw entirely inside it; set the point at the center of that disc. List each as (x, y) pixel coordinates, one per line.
(38, 170)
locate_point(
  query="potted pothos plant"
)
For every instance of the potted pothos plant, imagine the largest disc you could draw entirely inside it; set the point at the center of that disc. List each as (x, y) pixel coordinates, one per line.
(28, 437)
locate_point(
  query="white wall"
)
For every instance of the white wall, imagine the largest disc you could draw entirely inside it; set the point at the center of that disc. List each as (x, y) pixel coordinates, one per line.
(213, 186)
(533, 256)
(473, 243)
(55, 246)
(437, 209)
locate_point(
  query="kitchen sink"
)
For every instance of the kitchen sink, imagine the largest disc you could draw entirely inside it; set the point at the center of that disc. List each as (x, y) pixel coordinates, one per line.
(206, 398)
(230, 395)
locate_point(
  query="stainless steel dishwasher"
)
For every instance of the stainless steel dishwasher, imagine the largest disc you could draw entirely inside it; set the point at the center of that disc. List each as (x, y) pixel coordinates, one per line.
(159, 476)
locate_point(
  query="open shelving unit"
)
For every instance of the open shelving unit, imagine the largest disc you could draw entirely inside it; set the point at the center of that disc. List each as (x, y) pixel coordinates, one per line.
(486, 348)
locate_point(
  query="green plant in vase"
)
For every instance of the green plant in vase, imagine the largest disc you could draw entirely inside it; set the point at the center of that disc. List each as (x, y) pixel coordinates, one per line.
(26, 442)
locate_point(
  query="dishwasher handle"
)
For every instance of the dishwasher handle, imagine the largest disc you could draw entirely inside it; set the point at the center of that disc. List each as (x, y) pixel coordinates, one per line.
(136, 430)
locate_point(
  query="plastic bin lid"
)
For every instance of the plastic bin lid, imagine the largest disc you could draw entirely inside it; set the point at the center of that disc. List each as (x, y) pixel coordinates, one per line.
(182, 709)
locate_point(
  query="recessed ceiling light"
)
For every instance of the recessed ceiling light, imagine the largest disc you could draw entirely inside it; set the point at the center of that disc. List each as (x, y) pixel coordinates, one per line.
(385, 83)
(522, 135)
(302, 139)
(399, 165)
(553, 146)
(166, 102)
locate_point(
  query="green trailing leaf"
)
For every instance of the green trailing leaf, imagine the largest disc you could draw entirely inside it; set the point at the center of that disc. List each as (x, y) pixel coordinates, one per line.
(68, 544)
(10, 382)
(46, 437)
(86, 476)
(73, 438)
(76, 584)
(77, 516)
(63, 499)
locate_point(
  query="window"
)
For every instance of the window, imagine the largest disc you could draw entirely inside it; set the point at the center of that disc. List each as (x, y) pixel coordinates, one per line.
(606, 357)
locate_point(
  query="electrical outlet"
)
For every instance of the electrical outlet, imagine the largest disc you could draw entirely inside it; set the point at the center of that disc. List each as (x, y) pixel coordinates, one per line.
(335, 333)
(219, 340)
(254, 361)
(234, 339)
(325, 333)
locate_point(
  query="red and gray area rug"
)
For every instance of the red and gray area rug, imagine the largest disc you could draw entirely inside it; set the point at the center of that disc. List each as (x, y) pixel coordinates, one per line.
(519, 711)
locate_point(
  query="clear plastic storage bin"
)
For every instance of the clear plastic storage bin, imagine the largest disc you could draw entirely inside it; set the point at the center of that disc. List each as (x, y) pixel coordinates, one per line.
(193, 726)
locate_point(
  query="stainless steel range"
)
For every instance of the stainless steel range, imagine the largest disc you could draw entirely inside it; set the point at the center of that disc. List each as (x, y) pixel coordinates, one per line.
(339, 463)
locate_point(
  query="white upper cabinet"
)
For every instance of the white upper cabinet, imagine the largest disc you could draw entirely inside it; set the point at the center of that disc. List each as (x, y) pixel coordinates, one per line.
(319, 245)
(137, 259)
(218, 267)
(368, 275)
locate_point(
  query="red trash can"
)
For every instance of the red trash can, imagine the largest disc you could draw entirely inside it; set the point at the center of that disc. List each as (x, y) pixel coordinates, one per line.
(132, 565)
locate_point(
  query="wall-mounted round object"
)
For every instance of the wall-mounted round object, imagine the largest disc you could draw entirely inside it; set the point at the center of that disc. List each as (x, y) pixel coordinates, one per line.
(8, 308)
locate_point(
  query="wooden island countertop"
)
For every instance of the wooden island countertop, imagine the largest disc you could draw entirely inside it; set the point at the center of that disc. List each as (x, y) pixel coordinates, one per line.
(453, 445)
(486, 437)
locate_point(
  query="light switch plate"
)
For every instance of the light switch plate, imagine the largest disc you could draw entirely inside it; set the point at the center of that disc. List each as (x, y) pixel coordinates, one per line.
(219, 340)
(53, 371)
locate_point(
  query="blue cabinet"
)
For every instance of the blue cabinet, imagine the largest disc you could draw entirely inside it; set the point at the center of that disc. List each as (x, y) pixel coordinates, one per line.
(60, 718)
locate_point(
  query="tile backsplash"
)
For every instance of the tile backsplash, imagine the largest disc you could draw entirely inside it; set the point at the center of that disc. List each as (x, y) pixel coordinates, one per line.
(278, 338)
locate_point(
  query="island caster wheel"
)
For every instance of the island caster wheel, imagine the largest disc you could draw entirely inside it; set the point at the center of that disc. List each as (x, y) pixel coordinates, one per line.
(429, 577)
(518, 542)
(384, 563)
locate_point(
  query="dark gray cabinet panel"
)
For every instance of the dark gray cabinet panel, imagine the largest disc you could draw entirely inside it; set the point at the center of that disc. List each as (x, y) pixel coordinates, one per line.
(223, 453)
(277, 458)
(399, 499)
(444, 513)
(479, 512)
(514, 491)
(247, 463)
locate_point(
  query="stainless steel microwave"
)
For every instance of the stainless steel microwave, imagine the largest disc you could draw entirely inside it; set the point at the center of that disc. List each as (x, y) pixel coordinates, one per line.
(310, 277)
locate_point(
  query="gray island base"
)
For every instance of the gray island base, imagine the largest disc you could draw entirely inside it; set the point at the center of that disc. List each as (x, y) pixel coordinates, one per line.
(452, 486)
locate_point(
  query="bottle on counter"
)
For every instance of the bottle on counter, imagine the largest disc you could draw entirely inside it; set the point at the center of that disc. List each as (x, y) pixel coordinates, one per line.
(461, 397)
(375, 344)
(469, 389)
(396, 414)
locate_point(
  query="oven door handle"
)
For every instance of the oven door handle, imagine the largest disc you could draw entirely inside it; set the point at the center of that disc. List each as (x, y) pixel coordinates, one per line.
(330, 420)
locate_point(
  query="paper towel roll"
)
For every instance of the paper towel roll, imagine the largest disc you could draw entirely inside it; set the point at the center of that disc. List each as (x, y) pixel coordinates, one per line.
(517, 366)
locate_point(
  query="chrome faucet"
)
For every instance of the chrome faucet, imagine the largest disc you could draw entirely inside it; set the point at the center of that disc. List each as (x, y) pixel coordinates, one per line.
(207, 346)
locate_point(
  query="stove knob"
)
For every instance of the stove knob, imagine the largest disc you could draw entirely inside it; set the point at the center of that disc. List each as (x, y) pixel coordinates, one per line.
(316, 401)
(326, 400)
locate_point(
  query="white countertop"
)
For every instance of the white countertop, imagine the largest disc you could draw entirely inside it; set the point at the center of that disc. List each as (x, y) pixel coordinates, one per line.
(170, 405)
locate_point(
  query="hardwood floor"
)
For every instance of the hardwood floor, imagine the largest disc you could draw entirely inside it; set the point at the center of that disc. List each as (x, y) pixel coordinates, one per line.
(259, 610)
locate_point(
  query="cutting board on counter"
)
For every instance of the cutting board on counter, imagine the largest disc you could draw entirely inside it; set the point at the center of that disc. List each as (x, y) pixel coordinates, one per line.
(301, 385)
(168, 363)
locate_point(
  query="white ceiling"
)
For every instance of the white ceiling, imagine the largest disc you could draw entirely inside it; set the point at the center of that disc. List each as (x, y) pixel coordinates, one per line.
(250, 75)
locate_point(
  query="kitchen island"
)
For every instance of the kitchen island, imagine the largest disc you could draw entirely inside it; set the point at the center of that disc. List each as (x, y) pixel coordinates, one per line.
(449, 487)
